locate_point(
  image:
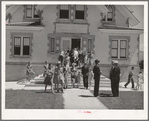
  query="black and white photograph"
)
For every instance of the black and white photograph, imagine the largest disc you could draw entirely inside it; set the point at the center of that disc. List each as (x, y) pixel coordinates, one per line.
(74, 60)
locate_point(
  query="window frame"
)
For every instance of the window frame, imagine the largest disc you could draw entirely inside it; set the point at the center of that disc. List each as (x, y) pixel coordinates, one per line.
(33, 8)
(21, 46)
(53, 45)
(91, 46)
(115, 48)
(85, 12)
(105, 18)
(119, 49)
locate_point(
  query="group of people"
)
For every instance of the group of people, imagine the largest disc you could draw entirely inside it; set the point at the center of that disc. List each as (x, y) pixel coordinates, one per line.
(76, 56)
(58, 75)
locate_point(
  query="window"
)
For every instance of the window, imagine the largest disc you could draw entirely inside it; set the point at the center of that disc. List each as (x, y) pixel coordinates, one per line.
(21, 46)
(114, 49)
(89, 45)
(109, 16)
(119, 48)
(123, 49)
(31, 11)
(52, 45)
(64, 12)
(80, 12)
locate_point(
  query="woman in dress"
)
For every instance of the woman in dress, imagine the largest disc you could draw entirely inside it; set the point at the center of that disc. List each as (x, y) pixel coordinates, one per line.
(45, 68)
(49, 78)
(57, 76)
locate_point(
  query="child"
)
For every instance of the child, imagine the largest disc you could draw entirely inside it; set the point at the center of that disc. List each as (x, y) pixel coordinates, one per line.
(140, 80)
(73, 74)
(61, 78)
(66, 71)
(90, 77)
(56, 76)
(29, 73)
(49, 78)
(79, 78)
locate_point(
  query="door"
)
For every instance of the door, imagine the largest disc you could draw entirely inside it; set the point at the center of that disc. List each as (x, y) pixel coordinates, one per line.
(75, 43)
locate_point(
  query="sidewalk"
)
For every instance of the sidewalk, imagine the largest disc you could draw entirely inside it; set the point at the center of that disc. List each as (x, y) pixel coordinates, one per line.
(81, 99)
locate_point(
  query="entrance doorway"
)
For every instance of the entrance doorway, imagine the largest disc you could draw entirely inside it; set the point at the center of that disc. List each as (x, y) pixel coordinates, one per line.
(75, 43)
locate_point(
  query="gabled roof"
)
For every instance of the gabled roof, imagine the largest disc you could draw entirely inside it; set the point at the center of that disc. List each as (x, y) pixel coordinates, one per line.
(12, 8)
(103, 9)
(128, 14)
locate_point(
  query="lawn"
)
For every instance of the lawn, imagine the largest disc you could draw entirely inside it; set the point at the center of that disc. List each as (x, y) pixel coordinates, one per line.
(33, 99)
(126, 100)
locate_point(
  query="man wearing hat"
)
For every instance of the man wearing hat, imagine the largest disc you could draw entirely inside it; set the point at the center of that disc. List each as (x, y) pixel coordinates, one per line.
(115, 78)
(97, 72)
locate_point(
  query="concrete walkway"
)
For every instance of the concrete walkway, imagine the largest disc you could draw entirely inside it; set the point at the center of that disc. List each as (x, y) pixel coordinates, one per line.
(81, 99)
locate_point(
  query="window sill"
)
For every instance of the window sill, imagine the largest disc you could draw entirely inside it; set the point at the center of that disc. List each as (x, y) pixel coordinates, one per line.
(17, 56)
(31, 19)
(63, 20)
(119, 58)
(108, 22)
(80, 21)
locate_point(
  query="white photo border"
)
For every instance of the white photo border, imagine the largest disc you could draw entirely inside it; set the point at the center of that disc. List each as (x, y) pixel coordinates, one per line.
(25, 114)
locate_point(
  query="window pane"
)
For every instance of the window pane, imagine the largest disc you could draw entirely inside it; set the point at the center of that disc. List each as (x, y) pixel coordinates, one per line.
(79, 14)
(80, 7)
(123, 43)
(89, 45)
(64, 14)
(25, 50)
(26, 46)
(52, 44)
(26, 41)
(17, 45)
(114, 43)
(17, 41)
(123, 53)
(64, 7)
(109, 15)
(114, 53)
(29, 13)
(17, 50)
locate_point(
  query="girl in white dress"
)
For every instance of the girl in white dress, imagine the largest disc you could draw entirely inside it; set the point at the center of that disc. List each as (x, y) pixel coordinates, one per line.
(90, 77)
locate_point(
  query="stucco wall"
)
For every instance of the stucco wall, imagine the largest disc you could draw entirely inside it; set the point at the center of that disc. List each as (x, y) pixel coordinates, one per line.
(120, 20)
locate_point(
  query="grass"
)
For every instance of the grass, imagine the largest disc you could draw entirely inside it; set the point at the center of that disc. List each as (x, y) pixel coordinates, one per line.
(33, 99)
(126, 100)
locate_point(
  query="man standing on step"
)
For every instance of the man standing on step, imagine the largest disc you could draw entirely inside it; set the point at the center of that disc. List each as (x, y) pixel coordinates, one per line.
(96, 71)
(85, 71)
(115, 78)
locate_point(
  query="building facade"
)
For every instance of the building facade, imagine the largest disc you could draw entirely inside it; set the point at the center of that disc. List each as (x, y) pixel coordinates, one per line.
(37, 33)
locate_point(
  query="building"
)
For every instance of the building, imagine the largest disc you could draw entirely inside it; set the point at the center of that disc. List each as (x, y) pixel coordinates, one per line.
(36, 33)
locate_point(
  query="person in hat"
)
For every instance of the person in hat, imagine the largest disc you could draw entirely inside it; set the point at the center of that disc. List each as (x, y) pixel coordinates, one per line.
(85, 71)
(115, 78)
(97, 72)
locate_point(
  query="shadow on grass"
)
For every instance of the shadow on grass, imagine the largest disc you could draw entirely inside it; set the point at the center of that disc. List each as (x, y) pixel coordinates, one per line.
(86, 96)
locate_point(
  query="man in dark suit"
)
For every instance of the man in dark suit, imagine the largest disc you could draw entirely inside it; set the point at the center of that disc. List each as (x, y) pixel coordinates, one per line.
(96, 71)
(115, 78)
(85, 71)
